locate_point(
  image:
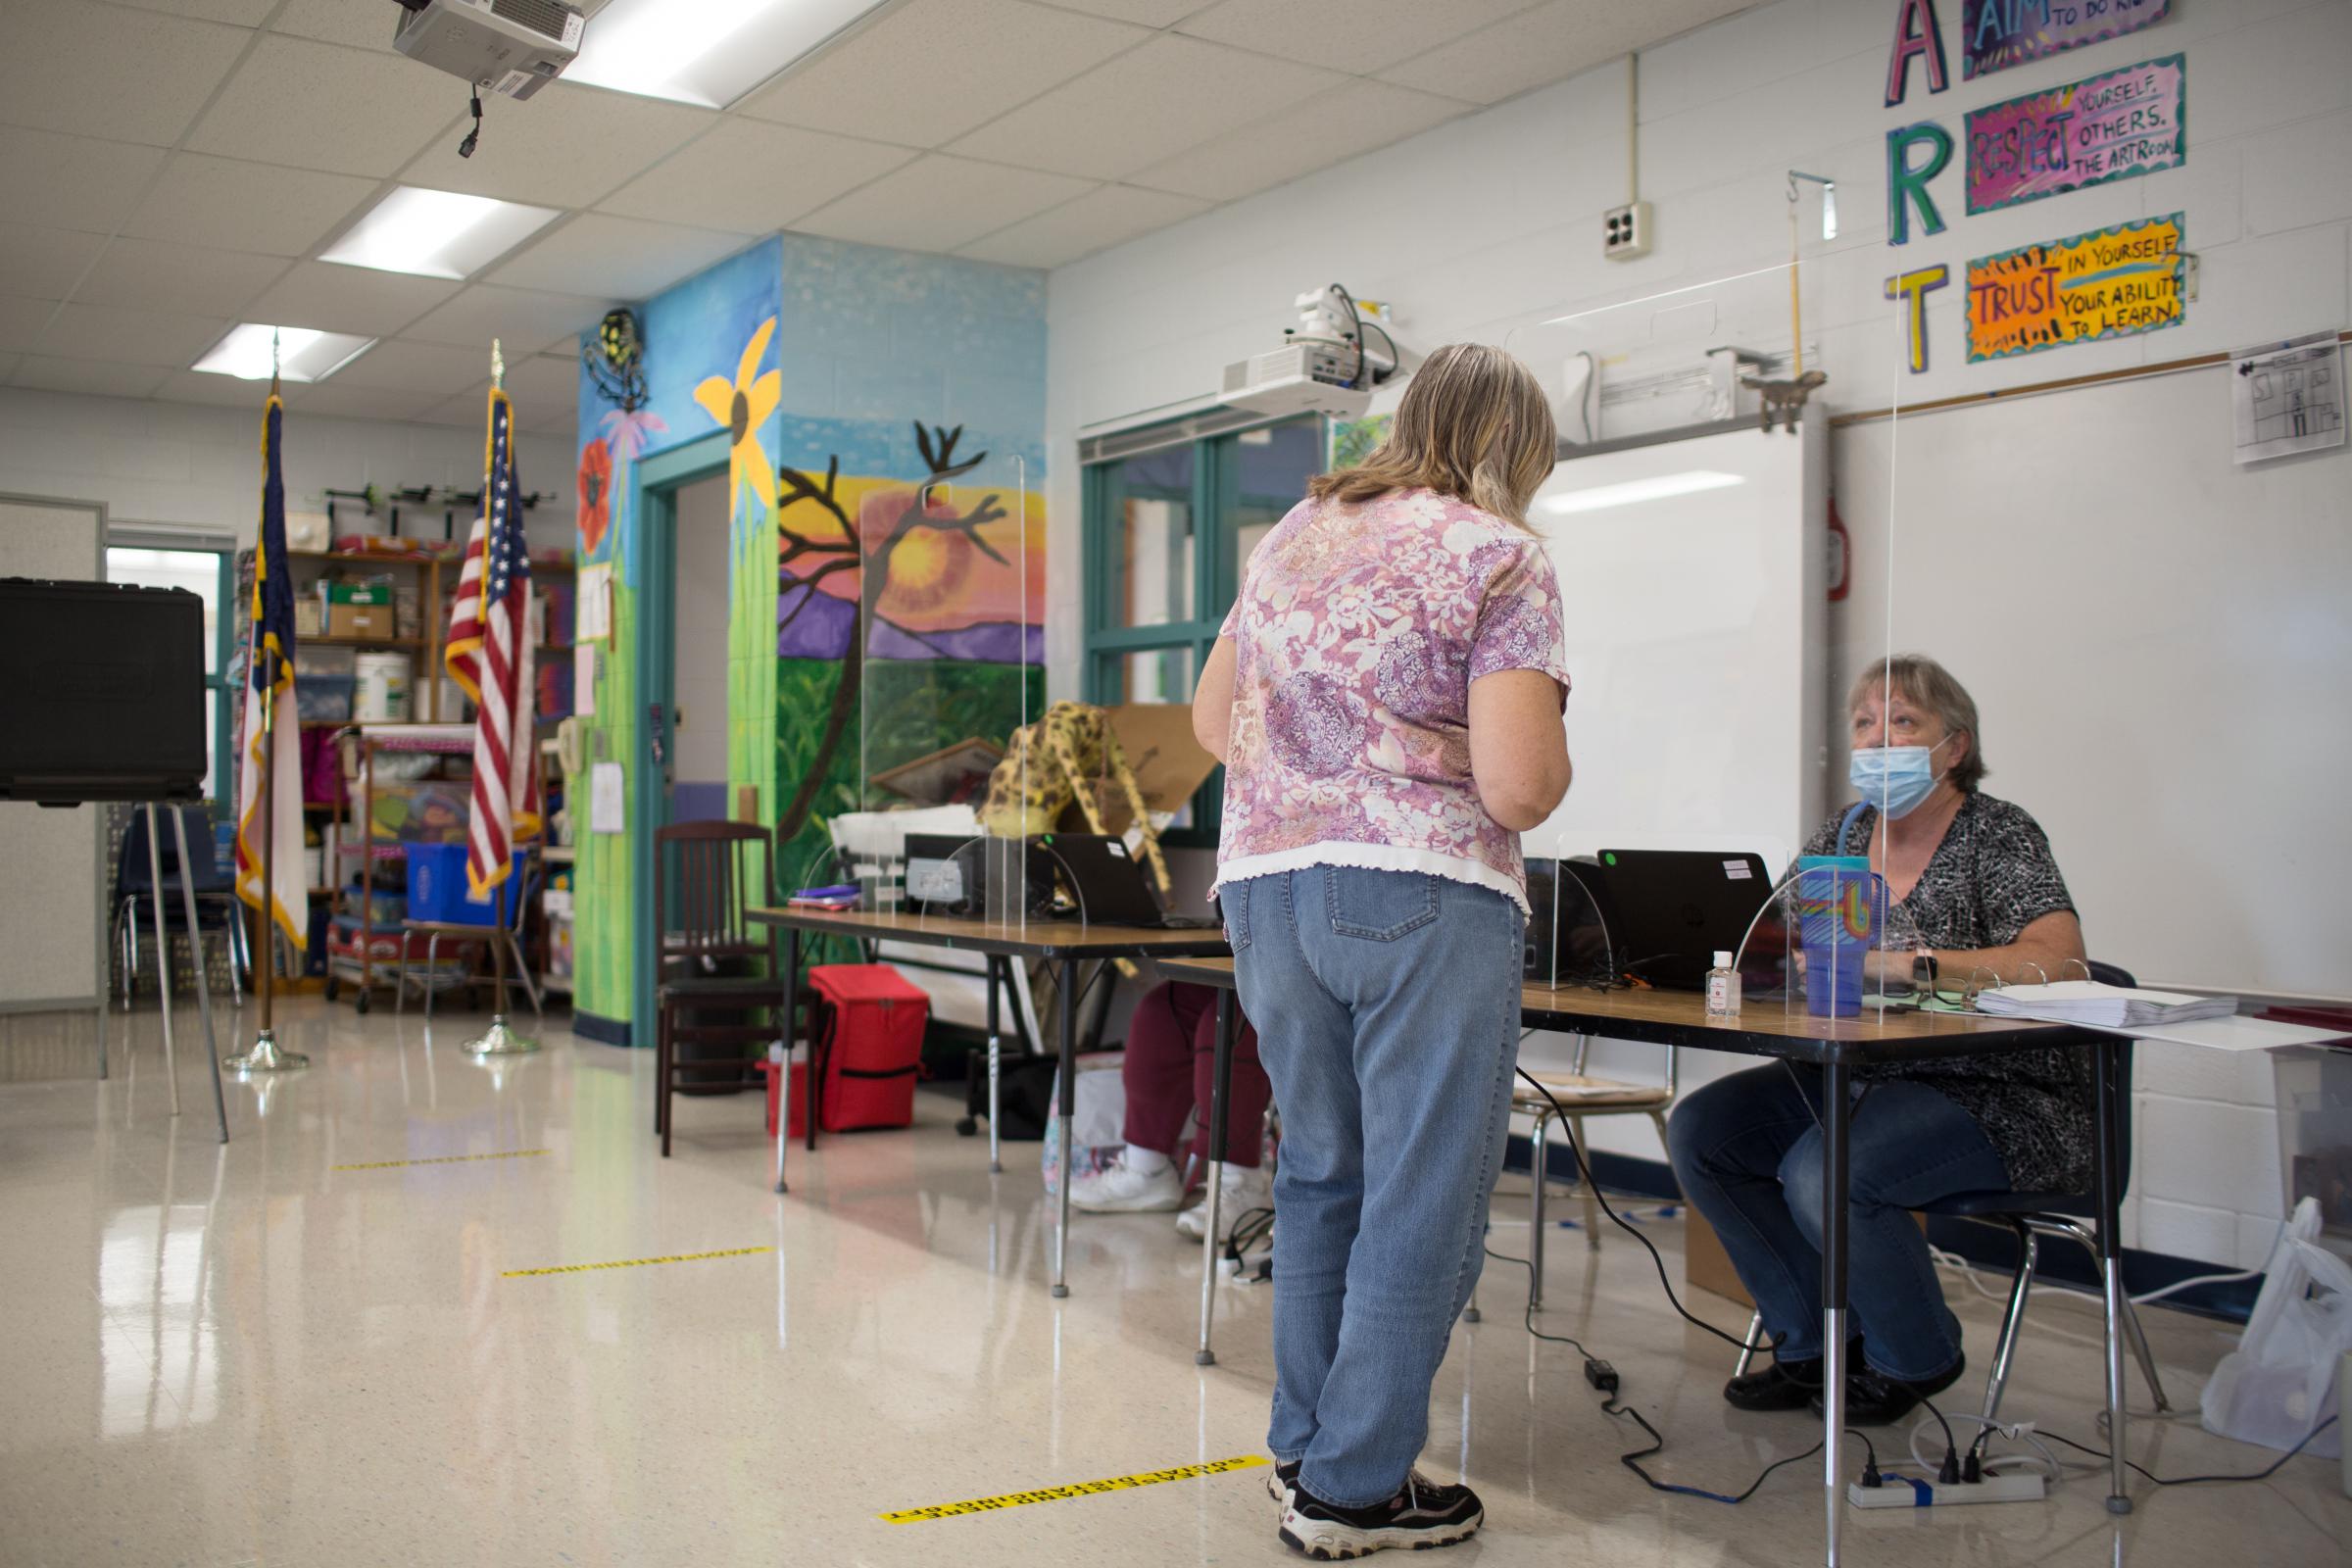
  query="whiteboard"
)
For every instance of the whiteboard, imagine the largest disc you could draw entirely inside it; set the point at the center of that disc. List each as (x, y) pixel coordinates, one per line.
(2160, 645)
(1691, 577)
(49, 933)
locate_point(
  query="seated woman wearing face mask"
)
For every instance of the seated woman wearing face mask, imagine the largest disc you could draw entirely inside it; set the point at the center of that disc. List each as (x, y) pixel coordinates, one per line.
(1975, 879)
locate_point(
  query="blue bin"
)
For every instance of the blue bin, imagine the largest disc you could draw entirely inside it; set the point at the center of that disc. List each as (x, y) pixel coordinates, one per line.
(438, 890)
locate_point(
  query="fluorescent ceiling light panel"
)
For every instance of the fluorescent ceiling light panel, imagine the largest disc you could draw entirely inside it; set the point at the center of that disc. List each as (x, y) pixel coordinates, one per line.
(1603, 497)
(707, 51)
(437, 234)
(302, 353)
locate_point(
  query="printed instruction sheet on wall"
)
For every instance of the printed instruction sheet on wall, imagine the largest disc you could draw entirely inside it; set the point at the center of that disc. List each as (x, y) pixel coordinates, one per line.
(605, 813)
(2288, 397)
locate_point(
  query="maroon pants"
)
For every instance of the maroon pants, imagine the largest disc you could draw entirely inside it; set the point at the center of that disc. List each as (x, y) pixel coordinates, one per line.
(1171, 1069)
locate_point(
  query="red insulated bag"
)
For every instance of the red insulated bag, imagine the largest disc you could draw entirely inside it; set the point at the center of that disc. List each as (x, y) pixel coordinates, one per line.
(869, 1034)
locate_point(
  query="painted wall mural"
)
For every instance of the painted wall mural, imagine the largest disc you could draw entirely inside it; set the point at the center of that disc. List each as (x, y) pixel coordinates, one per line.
(884, 419)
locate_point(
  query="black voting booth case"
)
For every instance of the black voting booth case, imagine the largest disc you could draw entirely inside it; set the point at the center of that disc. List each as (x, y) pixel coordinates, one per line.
(102, 698)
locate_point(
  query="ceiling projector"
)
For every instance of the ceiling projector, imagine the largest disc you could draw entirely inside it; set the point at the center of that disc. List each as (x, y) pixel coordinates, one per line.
(512, 48)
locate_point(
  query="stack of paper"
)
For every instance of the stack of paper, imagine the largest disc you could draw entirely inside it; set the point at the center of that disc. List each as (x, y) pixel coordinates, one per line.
(2087, 1002)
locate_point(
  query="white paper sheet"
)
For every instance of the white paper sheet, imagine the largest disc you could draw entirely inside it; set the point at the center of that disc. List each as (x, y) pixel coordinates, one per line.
(593, 618)
(606, 811)
(583, 680)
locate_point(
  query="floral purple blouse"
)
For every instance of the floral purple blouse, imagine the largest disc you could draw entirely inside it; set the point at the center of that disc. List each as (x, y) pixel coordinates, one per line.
(1358, 633)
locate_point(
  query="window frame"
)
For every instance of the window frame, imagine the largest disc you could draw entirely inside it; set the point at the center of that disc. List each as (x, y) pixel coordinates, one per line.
(225, 635)
(1216, 503)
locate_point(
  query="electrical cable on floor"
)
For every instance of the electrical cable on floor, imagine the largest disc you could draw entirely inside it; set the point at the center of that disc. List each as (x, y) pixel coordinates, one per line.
(2189, 1481)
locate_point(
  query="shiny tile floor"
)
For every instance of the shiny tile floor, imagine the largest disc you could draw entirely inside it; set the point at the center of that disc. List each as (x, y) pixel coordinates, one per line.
(291, 1350)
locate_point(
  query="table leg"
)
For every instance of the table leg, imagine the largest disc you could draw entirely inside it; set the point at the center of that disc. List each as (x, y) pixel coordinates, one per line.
(2108, 1129)
(996, 976)
(163, 949)
(1219, 1085)
(1835, 1112)
(791, 972)
(1070, 1111)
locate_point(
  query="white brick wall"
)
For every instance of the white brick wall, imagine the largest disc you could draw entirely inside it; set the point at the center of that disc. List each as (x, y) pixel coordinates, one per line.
(186, 466)
(1492, 221)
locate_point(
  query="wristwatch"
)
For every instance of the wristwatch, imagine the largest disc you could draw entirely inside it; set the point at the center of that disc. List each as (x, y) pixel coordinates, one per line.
(1923, 969)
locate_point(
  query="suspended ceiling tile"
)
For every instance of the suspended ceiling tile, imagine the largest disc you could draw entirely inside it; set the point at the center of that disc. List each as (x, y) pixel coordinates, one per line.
(932, 70)
(130, 335)
(228, 392)
(236, 13)
(45, 263)
(523, 320)
(615, 258)
(23, 320)
(232, 205)
(1352, 36)
(318, 105)
(1339, 125)
(102, 70)
(97, 377)
(1143, 12)
(754, 177)
(1143, 107)
(938, 203)
(71, 181)
(359, 27)
(333, 298)
(1548, 43)
(177, 277)
(539, 387)
(1107, 216)
(568, 147)
(404, 366)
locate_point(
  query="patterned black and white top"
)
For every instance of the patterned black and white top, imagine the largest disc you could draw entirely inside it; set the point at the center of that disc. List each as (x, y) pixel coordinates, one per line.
(1993, 876)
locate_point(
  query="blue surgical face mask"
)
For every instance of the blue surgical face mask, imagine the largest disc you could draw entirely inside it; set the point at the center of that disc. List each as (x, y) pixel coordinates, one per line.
(1895, 777)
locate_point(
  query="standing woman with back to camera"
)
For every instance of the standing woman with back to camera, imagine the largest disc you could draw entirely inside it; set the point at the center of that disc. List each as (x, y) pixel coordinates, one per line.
(1386, 697)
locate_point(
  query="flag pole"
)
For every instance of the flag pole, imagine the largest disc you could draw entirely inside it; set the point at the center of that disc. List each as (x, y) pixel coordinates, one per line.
(264, 1054)
(499, 1040)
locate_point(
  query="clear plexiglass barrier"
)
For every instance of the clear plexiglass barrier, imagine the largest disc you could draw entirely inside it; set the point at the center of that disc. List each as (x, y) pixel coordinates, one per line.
(1827, 943)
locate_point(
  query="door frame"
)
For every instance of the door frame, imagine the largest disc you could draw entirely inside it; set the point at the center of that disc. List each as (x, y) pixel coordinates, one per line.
(654, 482)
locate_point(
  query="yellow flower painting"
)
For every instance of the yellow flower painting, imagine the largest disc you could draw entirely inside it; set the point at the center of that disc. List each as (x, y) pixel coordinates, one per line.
(743, 406)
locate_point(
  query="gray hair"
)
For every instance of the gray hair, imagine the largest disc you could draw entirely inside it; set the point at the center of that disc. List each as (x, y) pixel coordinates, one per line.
(1920, 680)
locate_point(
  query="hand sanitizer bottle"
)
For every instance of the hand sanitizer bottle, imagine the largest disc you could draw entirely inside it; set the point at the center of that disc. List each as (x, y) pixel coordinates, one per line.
(1723, 988)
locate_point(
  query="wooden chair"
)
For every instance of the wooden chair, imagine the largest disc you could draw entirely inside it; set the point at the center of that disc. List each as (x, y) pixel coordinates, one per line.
(701, 879)
(1581, 1098)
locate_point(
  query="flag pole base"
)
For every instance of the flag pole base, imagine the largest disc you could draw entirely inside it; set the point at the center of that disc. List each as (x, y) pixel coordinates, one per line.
(265, 1057)
(499, 1041)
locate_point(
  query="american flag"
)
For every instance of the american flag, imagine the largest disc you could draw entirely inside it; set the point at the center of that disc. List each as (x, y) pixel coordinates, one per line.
(490, 656)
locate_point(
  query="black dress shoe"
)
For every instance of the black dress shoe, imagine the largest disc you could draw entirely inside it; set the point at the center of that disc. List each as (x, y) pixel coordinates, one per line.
(1875, 1400)
(1782, 1386)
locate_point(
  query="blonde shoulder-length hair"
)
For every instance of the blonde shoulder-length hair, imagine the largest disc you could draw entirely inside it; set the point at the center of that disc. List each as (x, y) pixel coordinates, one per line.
(1474, 425)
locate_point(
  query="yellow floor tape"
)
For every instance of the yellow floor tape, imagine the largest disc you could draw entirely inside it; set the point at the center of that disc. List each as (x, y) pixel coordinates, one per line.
(634, 1263)
(1082, 1489)
(443, 1160)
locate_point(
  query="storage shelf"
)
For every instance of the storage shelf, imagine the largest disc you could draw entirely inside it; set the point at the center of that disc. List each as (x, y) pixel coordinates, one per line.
(363, 642)
(373, 558)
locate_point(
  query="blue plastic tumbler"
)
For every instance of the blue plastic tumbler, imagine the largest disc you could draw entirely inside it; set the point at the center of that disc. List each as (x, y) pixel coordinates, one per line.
(1840, 905)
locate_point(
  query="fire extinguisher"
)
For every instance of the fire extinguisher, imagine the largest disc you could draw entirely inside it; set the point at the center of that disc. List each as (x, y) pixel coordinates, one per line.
(1841, 552)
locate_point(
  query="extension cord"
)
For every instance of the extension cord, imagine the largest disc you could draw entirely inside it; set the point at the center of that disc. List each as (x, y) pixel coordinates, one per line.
(1902, 1491)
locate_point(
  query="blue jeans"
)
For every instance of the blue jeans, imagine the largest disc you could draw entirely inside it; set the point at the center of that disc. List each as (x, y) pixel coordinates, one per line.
(1387, 1006)
(1746, 1149)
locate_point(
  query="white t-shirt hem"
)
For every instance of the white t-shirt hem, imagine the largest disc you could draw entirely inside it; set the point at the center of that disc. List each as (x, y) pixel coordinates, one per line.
(1373, 858)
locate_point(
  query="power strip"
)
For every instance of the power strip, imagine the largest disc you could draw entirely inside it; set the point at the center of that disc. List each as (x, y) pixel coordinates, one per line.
(1902, 1491)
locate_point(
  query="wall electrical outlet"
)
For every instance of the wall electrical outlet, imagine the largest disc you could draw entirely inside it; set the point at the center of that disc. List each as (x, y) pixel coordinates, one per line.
(1625, 231)
(1904, 1492)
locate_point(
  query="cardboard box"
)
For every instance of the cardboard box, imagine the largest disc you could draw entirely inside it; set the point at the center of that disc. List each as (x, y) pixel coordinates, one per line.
(1168, 763)
(358, 610)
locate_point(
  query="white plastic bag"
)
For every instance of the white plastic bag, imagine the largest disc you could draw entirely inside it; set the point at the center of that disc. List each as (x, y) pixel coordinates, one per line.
(2279, 1382)
(1099, 1129)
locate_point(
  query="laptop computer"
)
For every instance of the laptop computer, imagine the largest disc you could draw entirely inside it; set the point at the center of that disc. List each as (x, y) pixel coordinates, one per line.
(1674, 910)
(1111, 887)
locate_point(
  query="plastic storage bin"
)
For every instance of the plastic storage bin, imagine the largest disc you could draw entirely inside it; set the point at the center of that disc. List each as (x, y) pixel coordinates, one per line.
(438, 889)
(2314, 1134)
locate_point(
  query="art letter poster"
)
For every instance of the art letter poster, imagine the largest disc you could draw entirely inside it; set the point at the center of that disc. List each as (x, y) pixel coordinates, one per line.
(2111, 283)
(2105, 127)
(1995, 35)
